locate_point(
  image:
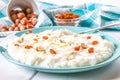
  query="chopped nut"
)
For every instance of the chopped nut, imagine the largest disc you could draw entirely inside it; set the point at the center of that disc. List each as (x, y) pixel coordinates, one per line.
(21, 40)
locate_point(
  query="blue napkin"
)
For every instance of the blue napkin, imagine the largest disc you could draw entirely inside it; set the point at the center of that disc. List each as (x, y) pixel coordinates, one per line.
(92, 14)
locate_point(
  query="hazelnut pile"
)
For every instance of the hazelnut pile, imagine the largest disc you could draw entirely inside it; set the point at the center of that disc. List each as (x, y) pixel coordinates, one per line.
(23, 19)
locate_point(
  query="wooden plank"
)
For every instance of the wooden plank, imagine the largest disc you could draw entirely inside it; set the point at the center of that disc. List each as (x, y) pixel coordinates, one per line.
(10, 71)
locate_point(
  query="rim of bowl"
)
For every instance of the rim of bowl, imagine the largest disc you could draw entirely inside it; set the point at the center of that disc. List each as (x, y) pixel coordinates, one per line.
(66, 19)
(67, 22)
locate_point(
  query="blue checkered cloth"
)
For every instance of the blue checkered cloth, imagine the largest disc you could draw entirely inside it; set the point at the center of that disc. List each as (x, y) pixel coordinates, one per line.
(92, 14)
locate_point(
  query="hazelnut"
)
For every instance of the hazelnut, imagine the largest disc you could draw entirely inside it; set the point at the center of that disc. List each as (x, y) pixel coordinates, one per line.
(22, 27)
(32, 15)
(28, 10)
(29, 25)
(10, 28)
(24, 21)
(14, 17)
(17, 21)
(21, 15)
(16, 29)
(34, 21)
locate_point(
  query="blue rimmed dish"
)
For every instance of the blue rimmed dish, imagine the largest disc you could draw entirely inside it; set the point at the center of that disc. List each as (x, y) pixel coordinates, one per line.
(115, 55)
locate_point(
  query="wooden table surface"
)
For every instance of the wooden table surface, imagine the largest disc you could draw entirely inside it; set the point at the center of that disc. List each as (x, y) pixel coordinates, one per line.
(10, 71)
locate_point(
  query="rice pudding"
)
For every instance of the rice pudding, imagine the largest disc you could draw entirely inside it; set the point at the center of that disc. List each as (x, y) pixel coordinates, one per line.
(60, 49)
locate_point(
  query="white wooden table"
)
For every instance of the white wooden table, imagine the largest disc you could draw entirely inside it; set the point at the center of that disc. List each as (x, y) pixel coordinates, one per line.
(9, 71)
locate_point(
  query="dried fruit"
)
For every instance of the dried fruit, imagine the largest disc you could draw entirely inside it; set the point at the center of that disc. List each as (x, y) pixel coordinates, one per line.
(95, 42)
(91, 50)
(28, 47)
(45, 37)
(88, 37)
(67, 15)
(77, 48)
(16, 44)
(52, 51)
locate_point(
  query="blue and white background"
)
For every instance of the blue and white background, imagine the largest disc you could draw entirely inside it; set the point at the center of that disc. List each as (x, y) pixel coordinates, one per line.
(92, 14)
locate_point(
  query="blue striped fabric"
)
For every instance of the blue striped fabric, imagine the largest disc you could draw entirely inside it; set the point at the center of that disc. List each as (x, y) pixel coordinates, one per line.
(92, 14)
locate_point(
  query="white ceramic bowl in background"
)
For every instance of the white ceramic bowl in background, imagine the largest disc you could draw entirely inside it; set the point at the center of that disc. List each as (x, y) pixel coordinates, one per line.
(22, 4)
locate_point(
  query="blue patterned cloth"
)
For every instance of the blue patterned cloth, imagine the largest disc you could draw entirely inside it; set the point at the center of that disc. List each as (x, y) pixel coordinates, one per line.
(92, 14)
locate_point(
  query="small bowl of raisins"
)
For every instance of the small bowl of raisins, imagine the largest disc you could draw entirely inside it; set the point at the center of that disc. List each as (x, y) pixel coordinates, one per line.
(67, 19)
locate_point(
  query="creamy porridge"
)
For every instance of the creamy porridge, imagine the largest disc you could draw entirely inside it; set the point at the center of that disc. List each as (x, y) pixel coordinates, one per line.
(60, 49)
